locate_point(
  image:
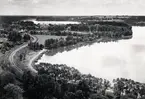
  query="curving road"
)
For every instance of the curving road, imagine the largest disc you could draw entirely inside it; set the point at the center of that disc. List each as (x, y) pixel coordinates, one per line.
(11, 58)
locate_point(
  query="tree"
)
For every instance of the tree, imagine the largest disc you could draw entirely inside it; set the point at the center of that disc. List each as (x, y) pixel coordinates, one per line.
(68, 38)
(7, 77)
(26, 37)
(41, 46)
(21, 57)
(28, 80)
(45, 85)
(13, 91)
(83, 85)
(14, 36)
(39, 87)
(79, 94)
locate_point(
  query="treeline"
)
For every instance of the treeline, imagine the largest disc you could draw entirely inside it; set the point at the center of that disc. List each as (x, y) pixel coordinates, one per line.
(10, 19)
(99, 26)
(73, 39)
(110, 30)
(66, 33)
(132, 20)
(69, 40)
(136, 20)
(114, 28)
(55, 18)
(112, 23)
(35, 46)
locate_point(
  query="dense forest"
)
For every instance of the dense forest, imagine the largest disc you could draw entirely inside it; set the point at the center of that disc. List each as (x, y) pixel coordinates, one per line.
(55, 81)
(132, 20)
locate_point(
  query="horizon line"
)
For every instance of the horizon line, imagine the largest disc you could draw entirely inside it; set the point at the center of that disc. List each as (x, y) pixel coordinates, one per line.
(73, 15)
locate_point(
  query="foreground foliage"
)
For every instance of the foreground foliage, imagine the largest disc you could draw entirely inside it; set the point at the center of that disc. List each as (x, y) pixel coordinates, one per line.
(63, 82)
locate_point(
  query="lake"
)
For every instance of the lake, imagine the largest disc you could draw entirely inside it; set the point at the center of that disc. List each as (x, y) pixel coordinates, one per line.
(53, 22)
(125, 58)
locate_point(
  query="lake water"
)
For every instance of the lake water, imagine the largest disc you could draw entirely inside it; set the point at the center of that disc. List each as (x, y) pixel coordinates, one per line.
(125, 58)
(53, 22)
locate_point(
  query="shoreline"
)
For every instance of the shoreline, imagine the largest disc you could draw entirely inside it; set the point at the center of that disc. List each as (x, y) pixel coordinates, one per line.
(31, 63)
(71, 47)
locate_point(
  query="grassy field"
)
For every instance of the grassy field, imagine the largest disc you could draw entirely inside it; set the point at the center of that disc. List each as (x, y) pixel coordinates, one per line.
(42, 38)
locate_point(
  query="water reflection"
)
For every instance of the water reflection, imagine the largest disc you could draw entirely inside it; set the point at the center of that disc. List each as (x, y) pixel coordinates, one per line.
(125, 58)
(76, 46)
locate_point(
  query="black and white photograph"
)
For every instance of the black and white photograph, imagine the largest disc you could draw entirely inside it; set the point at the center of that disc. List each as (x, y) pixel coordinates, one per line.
(72, 49)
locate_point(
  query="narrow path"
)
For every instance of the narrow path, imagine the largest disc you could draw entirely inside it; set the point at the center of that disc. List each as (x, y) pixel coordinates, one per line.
(11, 57)
(30, 64)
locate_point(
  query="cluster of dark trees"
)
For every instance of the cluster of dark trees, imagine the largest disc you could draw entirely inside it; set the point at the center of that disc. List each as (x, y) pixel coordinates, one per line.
(3, 33)
(55, 81)
(26, 37)
(55, 18)
(15, 33)
(73, 39)
(9, 88)
(35, 46)
(66, 33)
(52, 27)
(90, 26)
(55, 43)
(129, 87)
(110, 31)
(112, 23)
(29, 25)
(6, 46)
(72, 27)
(69, 40)
(61, 82)
(44, 86)
(11, 19)
(102, 28)
(57, 33)
(136, 20)
(14, 38)
(21, 25)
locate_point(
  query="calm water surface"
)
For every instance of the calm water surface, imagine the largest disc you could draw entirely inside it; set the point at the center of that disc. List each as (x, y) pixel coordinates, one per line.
(125, 58)
(53, 22)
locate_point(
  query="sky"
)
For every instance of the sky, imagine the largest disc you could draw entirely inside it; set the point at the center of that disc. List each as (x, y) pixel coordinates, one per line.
(72, 7)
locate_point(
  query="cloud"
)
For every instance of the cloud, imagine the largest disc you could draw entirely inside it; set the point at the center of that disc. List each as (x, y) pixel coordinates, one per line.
(72, 7)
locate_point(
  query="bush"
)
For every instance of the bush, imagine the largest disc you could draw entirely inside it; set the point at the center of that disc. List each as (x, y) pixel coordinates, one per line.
(7, 77)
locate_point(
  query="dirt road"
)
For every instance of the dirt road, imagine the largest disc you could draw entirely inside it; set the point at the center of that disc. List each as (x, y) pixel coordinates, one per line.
(12, 56)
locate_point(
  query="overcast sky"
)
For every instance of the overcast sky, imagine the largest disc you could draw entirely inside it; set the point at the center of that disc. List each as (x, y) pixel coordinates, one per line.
(72, 7)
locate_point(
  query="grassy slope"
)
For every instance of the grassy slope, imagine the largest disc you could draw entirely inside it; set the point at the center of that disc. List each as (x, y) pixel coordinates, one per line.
(42, 38)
